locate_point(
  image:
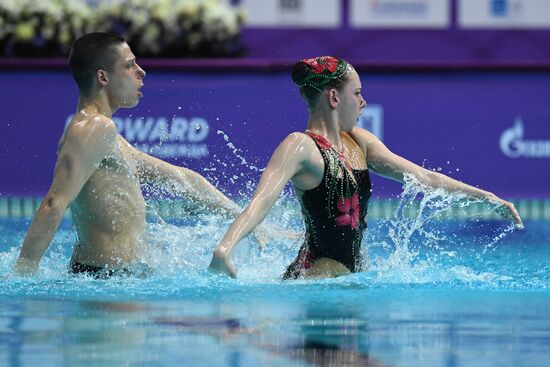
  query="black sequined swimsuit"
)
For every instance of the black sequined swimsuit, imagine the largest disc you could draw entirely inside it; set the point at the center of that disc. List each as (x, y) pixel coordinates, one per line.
(334, 213)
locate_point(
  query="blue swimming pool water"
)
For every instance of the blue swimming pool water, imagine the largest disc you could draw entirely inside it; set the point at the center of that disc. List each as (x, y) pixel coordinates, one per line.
(436, 293)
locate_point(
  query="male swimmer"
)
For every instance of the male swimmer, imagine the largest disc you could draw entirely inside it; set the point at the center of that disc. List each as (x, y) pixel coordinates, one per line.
(98, 173)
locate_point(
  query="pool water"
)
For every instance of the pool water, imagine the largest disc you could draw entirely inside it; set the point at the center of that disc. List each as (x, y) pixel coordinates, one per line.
(435, 293)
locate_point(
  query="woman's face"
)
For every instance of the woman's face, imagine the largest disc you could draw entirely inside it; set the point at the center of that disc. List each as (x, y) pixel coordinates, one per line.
(351, 102)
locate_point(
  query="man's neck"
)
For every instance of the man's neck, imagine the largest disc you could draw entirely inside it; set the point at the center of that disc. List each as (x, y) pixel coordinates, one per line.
(94, 106)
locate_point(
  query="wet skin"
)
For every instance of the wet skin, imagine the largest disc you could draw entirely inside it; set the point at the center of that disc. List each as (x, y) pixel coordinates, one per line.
(109, 212)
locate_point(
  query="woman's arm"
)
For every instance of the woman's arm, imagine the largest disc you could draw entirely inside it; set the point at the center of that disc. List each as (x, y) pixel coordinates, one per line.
(390, 165)
(287, 161)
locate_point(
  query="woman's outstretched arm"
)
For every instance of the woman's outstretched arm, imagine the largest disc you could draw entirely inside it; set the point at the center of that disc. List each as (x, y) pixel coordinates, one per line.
(388, 164)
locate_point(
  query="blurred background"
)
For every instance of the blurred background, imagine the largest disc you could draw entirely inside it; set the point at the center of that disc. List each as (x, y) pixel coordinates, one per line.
(458, 86)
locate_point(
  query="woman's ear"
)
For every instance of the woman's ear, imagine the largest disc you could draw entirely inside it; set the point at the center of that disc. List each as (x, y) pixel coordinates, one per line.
(333, 98)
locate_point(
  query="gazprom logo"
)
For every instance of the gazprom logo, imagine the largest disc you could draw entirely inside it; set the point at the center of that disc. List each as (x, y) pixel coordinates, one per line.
(512, 144)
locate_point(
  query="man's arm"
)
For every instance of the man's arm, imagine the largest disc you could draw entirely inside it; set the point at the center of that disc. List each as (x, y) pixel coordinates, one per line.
(182, 181)
(86, 145)
(390, 165)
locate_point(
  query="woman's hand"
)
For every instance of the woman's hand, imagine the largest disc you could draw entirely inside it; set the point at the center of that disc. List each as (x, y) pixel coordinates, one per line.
(507, 210)
(222, 264)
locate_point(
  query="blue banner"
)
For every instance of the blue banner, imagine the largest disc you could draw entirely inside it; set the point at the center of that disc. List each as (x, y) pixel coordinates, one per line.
(487, 129)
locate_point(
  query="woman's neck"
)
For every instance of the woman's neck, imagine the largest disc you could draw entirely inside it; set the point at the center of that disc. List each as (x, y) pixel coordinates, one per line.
(328, 128)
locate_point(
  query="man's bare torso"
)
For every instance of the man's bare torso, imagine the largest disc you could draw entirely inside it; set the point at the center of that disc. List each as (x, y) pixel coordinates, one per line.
(109, 211)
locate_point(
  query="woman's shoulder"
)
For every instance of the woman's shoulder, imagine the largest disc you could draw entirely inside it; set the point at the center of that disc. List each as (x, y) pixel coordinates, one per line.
(363, 137)
(297, 145)
(298, 139)
(360, 133)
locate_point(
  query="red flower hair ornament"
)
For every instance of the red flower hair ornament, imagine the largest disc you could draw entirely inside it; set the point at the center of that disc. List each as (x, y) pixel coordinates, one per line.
(322, 70)
(319, 64)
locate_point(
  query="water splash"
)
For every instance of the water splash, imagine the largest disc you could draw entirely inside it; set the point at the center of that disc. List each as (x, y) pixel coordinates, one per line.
(237, 153)
(416, 246)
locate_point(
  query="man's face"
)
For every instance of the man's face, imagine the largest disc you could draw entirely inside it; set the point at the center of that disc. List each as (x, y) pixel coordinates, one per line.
(125, 79)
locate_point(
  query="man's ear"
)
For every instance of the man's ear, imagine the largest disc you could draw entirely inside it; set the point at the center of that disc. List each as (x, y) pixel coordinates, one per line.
(333, 98)
(101, 76)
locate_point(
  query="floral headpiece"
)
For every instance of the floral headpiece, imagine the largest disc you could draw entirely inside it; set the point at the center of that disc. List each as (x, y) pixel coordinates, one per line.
(322, 70)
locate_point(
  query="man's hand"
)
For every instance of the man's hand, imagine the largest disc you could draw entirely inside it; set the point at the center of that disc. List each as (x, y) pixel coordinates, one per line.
(223, 265)
(25, 267)
(262, 235)
(265, 233)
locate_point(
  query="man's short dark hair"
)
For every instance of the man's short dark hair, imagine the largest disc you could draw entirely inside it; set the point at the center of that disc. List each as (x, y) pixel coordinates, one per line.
(92, 52)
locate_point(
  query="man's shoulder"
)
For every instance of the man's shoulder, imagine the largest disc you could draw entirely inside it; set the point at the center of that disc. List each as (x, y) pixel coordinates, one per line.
(92, 133)
(94, 126)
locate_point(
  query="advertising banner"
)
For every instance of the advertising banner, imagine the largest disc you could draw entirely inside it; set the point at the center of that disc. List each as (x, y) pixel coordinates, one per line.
(400, 13)
(504, 13)
(487, 129)
(292, 13)
(399, 32)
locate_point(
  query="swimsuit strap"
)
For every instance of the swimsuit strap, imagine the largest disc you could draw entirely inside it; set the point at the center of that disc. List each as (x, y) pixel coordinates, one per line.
(330, 153)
